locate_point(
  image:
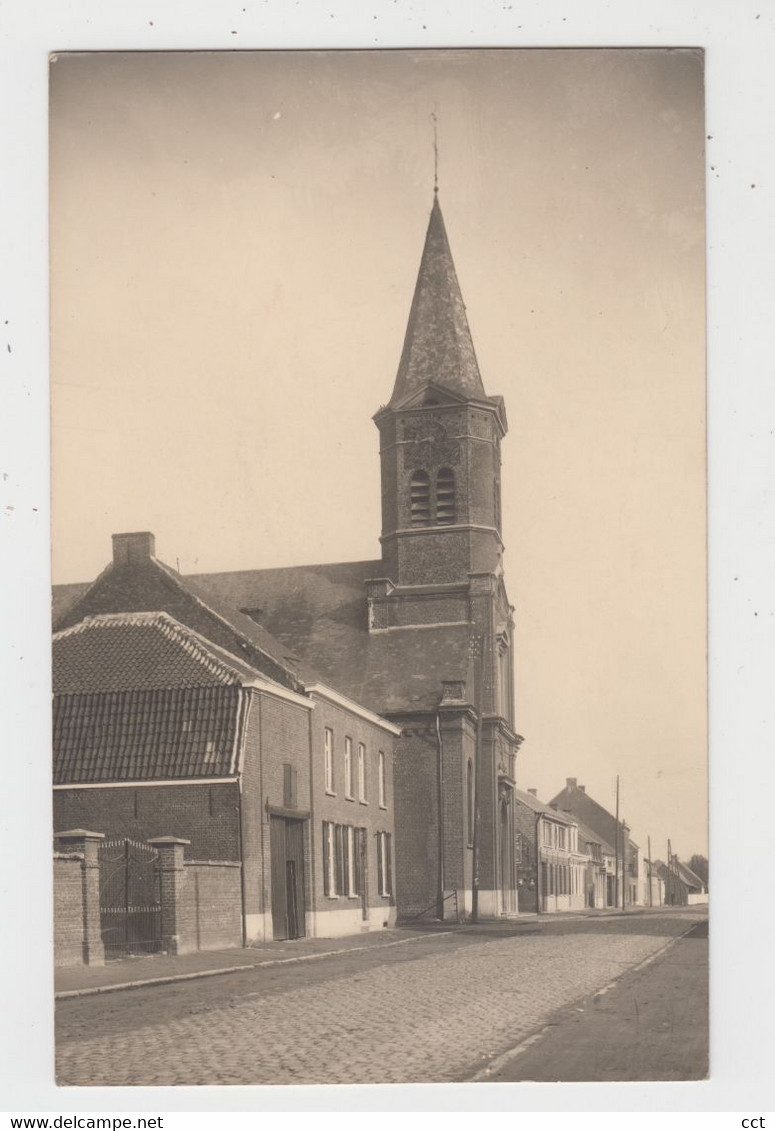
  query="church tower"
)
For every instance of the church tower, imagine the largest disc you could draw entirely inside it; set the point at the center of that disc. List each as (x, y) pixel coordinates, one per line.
(441, 600)
(440, 438)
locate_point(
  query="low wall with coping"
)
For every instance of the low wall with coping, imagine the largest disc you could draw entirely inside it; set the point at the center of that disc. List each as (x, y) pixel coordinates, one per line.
(200, 900)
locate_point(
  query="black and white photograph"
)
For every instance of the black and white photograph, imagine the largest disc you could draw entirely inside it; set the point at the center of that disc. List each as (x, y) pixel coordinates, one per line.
(379, 559)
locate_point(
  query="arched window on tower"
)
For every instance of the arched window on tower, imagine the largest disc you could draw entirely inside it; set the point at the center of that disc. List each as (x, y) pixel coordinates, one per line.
(420, 499)
(445, 497)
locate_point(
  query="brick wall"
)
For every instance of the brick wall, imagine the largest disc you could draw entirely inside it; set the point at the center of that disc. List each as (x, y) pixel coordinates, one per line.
(205, 814)
(68, 909)
(344, 810)
(211, 901)
(417, 820)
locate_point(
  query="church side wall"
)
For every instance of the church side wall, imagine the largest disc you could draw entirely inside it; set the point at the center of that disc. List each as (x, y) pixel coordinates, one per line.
(417, 821)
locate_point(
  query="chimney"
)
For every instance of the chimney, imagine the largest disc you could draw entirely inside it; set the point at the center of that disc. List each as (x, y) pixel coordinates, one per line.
(133, 549)
(582, 789)
(570, 783)
(534, 792)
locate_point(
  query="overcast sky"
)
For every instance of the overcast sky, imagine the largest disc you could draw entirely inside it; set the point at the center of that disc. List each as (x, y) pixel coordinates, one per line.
(235, 241)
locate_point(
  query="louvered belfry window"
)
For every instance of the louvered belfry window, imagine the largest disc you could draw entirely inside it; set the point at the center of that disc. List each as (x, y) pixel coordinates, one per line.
(445, 497)
(420, 499)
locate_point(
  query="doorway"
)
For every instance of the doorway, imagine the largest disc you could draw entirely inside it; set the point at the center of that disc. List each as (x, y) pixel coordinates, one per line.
(287, 862)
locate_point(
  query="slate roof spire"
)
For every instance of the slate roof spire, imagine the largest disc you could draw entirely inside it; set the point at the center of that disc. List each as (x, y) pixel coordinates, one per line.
(437, 348)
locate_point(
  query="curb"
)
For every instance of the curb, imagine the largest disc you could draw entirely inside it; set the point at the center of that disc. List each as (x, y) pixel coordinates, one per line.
(511, 1054)
(165, 980)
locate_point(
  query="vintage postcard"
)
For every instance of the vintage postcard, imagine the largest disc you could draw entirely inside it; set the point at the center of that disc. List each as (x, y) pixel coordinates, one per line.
(379, 559)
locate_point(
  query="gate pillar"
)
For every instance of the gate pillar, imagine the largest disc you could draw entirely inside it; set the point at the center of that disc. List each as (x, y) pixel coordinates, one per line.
(173, 881)
(87, 844)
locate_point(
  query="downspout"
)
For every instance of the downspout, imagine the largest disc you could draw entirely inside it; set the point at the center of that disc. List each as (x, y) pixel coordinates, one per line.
(312, 837)
(441, 817)
(539, 893)
(478, 679)
(244, 702)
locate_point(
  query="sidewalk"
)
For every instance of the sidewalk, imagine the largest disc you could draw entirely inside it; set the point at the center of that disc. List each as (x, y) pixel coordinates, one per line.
(76, 981)
(142, 970)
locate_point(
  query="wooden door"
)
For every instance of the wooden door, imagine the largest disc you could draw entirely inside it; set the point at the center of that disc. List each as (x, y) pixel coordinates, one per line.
(286, 843)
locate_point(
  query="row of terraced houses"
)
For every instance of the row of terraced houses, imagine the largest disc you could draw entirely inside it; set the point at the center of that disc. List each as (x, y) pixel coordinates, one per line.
(318, 750)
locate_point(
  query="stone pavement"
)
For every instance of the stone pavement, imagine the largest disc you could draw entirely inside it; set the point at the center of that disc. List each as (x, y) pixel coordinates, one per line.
(438, 1009)
(159, 968)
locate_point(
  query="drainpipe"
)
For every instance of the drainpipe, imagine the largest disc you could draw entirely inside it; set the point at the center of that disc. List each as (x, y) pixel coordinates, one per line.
(538, 866)
(441, 817)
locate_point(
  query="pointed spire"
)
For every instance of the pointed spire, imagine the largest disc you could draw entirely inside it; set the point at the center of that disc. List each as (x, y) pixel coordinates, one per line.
(437, 348)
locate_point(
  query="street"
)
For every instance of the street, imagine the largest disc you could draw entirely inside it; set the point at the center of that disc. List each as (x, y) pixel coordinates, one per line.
(450, 1006)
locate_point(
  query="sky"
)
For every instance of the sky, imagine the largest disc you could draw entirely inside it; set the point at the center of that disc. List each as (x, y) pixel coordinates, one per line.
(235, 238)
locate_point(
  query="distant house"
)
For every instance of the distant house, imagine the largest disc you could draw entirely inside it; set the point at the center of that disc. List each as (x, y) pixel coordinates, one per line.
(601, 860)
(682, 886)
(551, 870)
(653, 886)
(176, 717)
(575, 800)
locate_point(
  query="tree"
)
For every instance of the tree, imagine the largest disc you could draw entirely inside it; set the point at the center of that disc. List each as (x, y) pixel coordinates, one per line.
(699, 865)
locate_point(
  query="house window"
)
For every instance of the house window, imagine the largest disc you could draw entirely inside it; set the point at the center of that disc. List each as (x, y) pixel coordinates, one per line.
(381, 779)
(561, 838)
(547, 832)
(361, 773)
(470, 802)
(420, 499)
(348, 768)
(384, 864)
(289, 785)
(329, 859)
(329, 754)
(351, 878)
(445, 497)
(342, 867)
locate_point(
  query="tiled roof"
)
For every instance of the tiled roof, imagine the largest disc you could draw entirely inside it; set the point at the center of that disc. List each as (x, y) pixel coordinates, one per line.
(142, 735)
(135, 651)
(438, 348)
(539, 807)
(319, 612)
(578, 802)
(590, 836)
(151, 585)
(139, 696)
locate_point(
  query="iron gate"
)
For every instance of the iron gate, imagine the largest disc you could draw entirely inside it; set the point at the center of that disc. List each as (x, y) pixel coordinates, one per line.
(130, 898)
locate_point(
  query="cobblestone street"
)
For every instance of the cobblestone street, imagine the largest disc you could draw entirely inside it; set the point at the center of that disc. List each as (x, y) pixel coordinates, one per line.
(436, 1009)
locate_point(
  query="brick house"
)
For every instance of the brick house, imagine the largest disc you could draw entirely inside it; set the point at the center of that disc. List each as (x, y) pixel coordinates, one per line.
(174, 718)
(552, 868)
(423, 635)
(575, 800)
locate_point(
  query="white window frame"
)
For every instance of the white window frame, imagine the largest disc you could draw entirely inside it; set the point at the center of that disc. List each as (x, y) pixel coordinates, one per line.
(381, 779)
(352, 893)
(382, 843)
(329, 761)
(362, 773)
(332, 892)
(348, 768)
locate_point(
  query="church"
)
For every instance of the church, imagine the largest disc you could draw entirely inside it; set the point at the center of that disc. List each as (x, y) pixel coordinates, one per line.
(421, 639)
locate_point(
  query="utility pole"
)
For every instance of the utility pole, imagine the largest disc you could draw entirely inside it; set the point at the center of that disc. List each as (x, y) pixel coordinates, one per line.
(651, 894)
(669, 873)
(616, 849)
